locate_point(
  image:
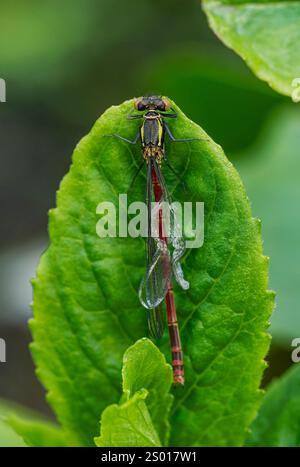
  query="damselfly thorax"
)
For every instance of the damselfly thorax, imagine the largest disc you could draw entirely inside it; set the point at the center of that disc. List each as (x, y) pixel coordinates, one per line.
(152, 136)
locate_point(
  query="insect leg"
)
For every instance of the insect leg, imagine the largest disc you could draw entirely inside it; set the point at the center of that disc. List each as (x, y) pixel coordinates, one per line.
(171, 115)
(181, 140)
(132, 116)
(125, 139)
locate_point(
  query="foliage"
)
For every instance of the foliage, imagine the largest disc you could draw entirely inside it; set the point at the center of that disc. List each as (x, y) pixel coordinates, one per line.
(278, 421)
(83, 323)
(265, 34)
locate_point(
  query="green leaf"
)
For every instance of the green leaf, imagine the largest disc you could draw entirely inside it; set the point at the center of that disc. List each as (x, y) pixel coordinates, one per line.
(22, 427)
(86, 307)
(128, 424)
(38, 433)
(8, 437)
(278, 420)
(142, 420)
(270, 171)
(144, 366)
(265, 34)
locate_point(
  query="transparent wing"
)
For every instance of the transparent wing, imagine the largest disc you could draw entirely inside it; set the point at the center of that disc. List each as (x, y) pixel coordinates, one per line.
(165, 247)
(156, 322)
(173, 229)
(155, 282)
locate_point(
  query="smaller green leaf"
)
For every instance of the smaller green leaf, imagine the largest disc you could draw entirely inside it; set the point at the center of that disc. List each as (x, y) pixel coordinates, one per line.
(128, 424)
(144, 366)
(278, 420)
(141, 419)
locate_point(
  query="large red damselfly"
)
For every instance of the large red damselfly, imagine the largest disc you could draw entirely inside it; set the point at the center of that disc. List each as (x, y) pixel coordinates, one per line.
(165, 246)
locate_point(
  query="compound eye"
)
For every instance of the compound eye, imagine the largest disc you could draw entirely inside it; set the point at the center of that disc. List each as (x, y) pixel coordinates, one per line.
(161, 106)
(139, 104)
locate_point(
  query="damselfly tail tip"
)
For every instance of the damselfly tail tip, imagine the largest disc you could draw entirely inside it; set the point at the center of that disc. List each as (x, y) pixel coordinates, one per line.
(178, 376)
(178, 381)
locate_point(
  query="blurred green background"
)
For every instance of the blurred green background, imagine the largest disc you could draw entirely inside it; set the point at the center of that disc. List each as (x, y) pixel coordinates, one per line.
(64, 63)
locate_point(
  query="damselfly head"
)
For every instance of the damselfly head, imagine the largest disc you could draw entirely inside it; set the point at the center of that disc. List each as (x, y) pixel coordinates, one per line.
(152, 103)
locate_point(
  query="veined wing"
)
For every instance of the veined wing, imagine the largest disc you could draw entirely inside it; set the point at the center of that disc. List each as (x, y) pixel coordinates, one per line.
(165, 248)
(173, 230)
(156, 322)
(155, 282)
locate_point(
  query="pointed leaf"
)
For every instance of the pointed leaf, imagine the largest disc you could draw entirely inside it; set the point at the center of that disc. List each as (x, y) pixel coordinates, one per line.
(144, 366)
(142, 417)
(86, 307)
